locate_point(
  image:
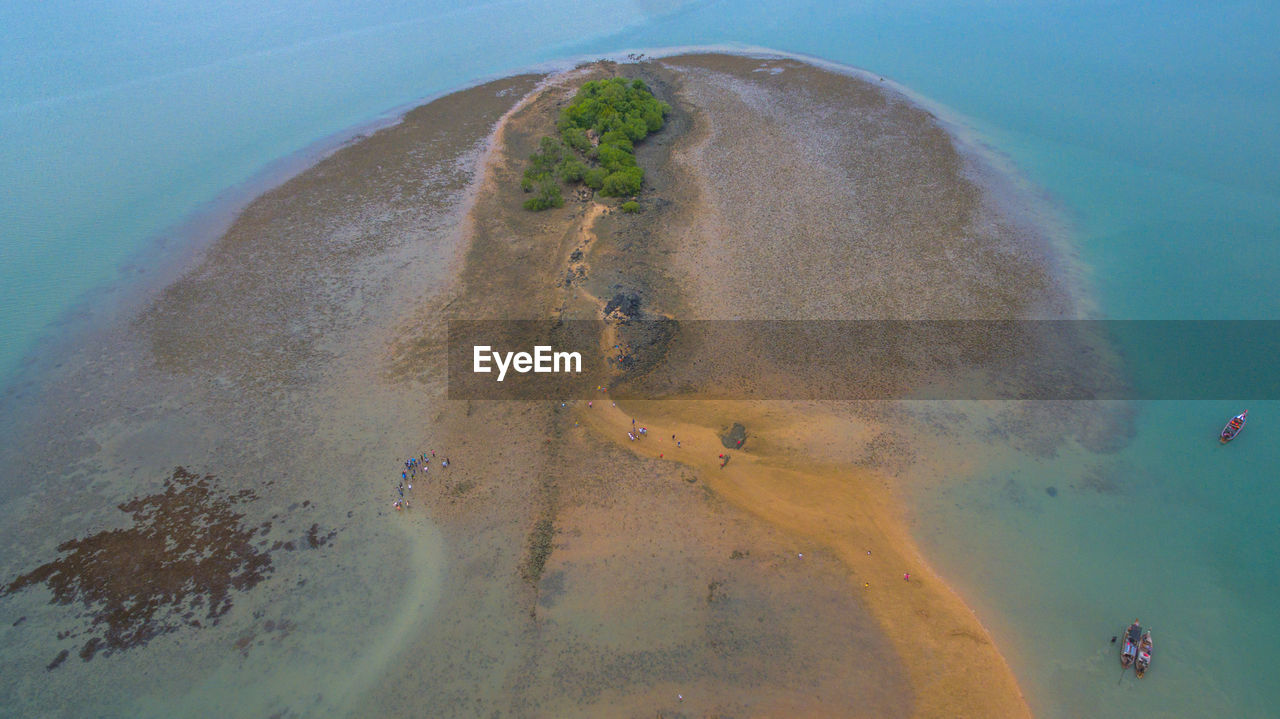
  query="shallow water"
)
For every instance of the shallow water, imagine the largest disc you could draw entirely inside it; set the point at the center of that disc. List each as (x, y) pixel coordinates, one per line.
(1174, 529)
(1150, 124)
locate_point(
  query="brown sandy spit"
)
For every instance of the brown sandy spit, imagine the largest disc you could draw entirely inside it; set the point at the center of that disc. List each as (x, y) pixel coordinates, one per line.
(594, 575)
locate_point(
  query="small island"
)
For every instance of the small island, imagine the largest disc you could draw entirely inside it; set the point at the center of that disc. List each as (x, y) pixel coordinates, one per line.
(587, 556)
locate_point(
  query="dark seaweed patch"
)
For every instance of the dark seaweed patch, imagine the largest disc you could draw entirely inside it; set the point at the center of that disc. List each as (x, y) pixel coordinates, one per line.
(315, 539)
(186, 549)
(58, 660)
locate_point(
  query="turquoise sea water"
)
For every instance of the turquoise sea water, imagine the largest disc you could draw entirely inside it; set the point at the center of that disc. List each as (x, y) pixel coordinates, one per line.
(1150, 124)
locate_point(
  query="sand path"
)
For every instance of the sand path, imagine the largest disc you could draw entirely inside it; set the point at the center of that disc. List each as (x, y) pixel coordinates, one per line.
(954, 667)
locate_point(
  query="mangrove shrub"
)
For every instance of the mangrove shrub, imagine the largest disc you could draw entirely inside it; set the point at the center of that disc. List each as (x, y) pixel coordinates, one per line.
(597, 133)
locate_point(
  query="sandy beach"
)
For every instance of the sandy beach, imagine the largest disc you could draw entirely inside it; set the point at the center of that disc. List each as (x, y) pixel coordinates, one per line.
(555, 568)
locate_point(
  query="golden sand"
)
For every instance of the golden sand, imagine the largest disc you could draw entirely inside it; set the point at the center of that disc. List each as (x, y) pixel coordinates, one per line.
(954, 668)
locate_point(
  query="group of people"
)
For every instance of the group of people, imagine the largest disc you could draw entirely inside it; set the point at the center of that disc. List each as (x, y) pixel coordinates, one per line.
(637, 432)
(411, 466)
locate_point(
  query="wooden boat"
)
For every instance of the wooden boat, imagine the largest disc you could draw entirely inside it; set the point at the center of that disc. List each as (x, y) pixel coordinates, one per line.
(1129, 650)
(1144, 654)
(1233, 427)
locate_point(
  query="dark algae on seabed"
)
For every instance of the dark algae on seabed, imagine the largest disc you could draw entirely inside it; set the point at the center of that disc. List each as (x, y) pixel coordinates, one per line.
(176, 566)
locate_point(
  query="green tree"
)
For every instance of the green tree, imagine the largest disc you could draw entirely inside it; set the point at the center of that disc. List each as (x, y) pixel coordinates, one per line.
(618, 139)
(623, 182)
(548, 196)
(571, 169)
(621, 112)
(576, 137)
(595, 178)
(613, 158)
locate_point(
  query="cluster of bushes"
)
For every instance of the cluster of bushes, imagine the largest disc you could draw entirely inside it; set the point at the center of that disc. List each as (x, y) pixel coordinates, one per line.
(619, 113)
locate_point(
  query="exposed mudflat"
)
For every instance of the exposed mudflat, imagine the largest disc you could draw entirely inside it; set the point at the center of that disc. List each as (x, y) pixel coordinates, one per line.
(263, 367)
